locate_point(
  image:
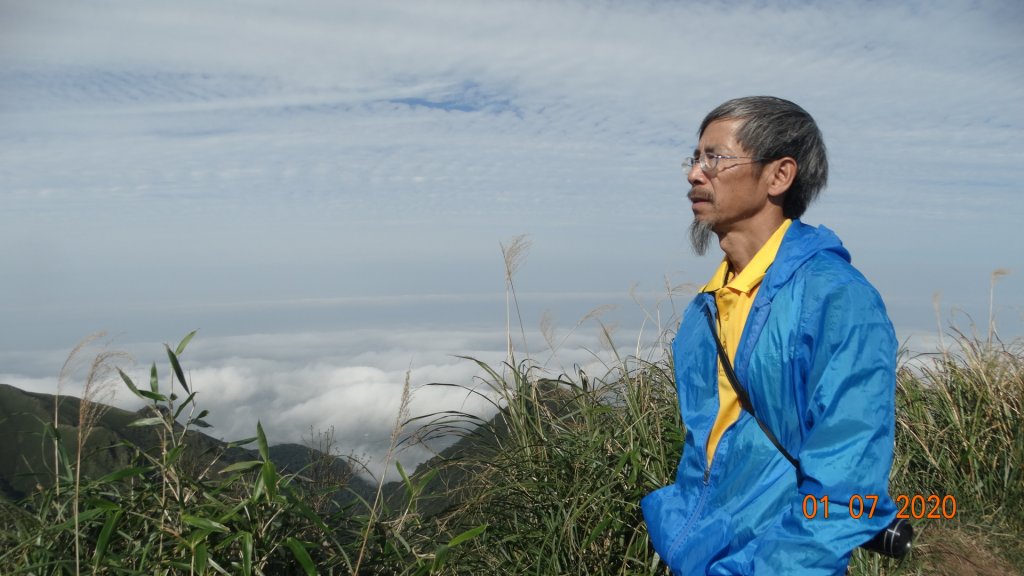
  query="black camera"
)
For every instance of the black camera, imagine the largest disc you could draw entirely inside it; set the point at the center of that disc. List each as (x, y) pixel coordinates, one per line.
(895, 541)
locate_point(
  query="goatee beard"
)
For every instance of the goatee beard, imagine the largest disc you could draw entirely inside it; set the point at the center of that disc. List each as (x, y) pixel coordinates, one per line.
(700, 236)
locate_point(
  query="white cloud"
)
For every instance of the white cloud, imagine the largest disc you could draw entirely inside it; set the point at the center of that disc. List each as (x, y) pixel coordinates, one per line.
(321, 187)
(298, 384)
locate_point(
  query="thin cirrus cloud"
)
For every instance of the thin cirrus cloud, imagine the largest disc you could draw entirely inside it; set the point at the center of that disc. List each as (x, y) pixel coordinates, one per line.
(266, 171)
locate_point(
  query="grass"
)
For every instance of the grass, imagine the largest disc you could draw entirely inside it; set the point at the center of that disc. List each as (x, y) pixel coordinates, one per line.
(550, 485)
(559, 488)
(172, 510)
(568, 458)
(960, 416)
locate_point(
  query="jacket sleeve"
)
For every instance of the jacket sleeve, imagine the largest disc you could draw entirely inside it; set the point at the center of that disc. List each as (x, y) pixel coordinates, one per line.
(846, 363)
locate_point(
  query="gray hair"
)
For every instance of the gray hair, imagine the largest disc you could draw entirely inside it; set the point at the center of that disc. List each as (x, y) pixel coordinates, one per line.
(774, 128)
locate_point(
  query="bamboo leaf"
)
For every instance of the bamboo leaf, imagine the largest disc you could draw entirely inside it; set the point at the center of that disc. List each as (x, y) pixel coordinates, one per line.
(154, 381)
(205, 524)
(82, 517)
(62, 453)
(467, 535)
(269, 477)
(242, 442)
(220, 569)
(422, 484)
(184, 405)
(440, 557)
(247, 554)
(184, 342)
(177, 368)
(405, 477)
(174, 454)
(154, 396)
(199, 558)
(104, 538)
(237, 466)
(128, 382)
(147, 422)
(262, 441)
(258, 490)
(299, 551)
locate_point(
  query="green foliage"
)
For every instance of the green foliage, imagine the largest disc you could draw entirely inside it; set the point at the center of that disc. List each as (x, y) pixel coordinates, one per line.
(550, 485)
(174, 512)
(960, 416)
(559, 473)
(960, 422)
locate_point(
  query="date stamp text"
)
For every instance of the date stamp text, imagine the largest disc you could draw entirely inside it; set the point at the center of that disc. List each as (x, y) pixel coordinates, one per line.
(916, 506)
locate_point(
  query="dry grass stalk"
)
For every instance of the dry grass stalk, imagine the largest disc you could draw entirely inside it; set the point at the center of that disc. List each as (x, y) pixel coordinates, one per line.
(513, 255)
(97, 392)
(548, 330)
(67, 371)
(996, 275)
(396, 432)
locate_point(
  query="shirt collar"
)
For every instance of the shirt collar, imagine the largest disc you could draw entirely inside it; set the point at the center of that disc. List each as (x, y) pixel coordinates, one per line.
(754, 272)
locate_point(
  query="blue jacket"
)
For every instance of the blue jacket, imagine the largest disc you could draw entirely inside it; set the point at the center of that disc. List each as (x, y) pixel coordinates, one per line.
(818, 358)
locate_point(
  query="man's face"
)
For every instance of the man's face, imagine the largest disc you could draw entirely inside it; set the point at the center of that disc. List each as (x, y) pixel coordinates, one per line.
(728, 195)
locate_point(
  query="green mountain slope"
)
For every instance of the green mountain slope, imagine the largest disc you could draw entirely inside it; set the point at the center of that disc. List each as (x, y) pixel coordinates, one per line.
(27, 454)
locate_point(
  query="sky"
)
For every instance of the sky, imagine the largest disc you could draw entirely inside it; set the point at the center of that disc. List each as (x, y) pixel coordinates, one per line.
(323, 188)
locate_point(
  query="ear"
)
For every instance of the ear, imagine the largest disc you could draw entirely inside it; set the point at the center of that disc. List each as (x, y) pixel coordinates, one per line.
(779, 175)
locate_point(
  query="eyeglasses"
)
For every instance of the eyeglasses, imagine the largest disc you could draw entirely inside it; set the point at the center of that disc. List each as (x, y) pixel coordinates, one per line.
(709, 162)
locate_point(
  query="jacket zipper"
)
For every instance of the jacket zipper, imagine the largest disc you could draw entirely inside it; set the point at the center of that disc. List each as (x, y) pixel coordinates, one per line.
(703, 496)
(693, 518)
(707, 482)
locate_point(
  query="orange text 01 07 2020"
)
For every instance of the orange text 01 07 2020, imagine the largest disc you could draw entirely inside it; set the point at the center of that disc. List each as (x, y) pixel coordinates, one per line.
(917, 506)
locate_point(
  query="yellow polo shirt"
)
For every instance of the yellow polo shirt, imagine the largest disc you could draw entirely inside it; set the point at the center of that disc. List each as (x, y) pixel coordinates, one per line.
(734, 296)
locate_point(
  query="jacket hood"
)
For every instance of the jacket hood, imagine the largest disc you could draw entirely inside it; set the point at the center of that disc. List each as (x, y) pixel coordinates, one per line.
(801, 243)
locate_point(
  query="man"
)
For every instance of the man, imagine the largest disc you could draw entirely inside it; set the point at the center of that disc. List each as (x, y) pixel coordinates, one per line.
(811, 343)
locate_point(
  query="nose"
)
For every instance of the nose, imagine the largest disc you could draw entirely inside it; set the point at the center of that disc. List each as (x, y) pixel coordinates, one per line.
(696, 175)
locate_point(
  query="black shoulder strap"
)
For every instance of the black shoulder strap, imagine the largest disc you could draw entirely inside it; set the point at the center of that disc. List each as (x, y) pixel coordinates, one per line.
(741, 392)
(895, 540)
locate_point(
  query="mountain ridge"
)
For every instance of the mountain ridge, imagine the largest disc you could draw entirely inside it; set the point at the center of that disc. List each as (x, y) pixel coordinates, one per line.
(27, 456)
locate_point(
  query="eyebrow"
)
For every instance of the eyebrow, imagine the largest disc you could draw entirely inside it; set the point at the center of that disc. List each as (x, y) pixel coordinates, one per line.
(710, 149)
